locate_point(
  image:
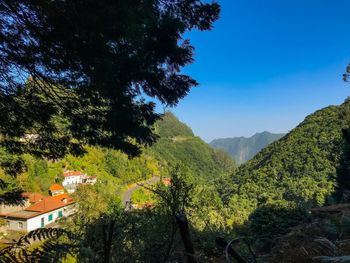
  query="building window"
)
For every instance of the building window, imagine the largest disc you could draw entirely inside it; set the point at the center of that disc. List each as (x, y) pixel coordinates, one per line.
(8, 223)
(20, 225)
(60, 213)
(50, 217)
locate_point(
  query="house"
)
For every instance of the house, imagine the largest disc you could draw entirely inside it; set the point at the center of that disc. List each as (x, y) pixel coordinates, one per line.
(56, 189)
(73, 177)
(90, 180)
(37, 211)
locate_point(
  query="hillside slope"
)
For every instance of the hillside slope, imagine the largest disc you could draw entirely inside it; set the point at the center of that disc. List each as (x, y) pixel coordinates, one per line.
(243, 149)
(177, 143)
(304, 166)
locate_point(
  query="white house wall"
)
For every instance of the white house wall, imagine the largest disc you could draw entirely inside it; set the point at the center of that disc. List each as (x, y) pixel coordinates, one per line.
(72, 180)
(35, 222)
(14, 224)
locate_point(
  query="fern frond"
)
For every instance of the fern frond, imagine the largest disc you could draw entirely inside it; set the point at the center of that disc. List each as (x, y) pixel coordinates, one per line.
(18, 251)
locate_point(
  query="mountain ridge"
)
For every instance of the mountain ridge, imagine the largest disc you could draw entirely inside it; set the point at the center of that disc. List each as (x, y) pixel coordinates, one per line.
(178, 143)
(244, 148)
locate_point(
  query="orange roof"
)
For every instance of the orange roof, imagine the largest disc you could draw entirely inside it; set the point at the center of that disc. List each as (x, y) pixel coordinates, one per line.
(56, 187)
(72, 173)
(32, 197)
(49, 203)
(61, 197)
(167, 181)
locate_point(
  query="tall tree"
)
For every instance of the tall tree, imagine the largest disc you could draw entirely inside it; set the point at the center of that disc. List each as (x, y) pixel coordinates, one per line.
(94, 64)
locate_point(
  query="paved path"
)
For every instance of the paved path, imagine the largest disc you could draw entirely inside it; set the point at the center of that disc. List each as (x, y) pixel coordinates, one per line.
(128, 193)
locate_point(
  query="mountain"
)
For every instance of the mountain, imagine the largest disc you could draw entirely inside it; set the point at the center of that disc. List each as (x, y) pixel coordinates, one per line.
(243, 149)
(308, 166)
(177, 143)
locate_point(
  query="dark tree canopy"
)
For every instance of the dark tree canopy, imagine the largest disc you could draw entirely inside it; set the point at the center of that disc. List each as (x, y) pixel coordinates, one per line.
(77, 72)
(346, 75)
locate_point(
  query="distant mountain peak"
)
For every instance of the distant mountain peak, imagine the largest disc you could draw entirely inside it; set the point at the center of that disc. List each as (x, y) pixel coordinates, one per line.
(243, 148)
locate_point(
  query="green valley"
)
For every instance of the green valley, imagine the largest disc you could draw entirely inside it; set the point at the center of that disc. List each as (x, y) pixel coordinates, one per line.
(306, 168)
(243, 149)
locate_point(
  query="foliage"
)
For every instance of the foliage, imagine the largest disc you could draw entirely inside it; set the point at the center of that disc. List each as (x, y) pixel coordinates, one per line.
(223, 160)
(183, 147)
(142, 197)
(11, 163)
(93, 63)
(147, 235)
(269, 194)
(276, 218)
(49, 251)
(301, 167)
(170, 127)
(115, 169)
(112, 168)
(346, 75)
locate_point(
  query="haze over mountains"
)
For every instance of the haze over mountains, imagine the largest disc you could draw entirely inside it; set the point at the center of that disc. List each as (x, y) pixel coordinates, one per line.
(243, 149)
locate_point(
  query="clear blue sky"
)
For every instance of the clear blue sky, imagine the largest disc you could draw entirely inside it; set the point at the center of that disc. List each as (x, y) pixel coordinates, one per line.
(266, 65)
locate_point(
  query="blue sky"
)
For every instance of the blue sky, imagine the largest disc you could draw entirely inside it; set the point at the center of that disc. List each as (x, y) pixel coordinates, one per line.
(266, 65)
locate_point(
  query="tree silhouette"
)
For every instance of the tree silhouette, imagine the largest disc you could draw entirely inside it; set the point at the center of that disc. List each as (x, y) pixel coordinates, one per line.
(94, 64)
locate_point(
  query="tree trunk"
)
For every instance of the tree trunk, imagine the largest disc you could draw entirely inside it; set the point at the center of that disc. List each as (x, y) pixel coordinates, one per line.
(346, 134)
(182, 223)
(108, 241)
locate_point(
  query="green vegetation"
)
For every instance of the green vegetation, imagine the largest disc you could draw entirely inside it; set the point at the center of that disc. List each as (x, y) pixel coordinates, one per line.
(178, 144)
(104, 229)
(276, 218)
(95, 68)
(112, 168)
(170, 127)
(142, 197)
(262, 199)
(243, 149)
(99, 206)
(302, 167)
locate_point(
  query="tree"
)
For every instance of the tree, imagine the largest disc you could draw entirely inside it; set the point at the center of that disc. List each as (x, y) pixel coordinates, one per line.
(176, 199)
(346, 75)
(94, 63)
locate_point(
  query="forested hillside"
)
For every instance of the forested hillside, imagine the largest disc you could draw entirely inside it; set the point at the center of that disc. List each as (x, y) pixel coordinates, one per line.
(243, 149)
(205, 172)
(261, 200)
(176, 143)
(304, 167)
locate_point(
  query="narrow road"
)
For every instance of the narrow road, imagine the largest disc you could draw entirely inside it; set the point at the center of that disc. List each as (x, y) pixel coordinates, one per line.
(128, 193)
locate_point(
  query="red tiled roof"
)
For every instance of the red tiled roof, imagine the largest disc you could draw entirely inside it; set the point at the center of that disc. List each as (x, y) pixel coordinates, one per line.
(167, 181)
(44, 205)
(32, 197)
(61, 197)
(49, 203)
(72, 173)
(92, 177)
(56, 187)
